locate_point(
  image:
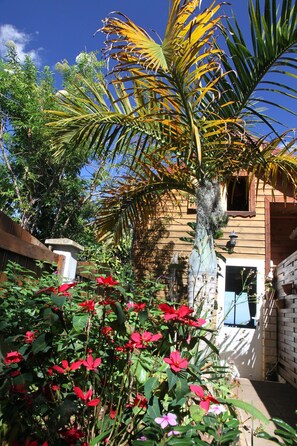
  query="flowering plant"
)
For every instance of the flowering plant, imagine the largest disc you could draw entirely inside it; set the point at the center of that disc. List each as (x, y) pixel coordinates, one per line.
(85, 364)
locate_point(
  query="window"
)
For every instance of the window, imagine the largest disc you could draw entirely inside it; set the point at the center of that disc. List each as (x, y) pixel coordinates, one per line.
(240, 197)
(240, 301)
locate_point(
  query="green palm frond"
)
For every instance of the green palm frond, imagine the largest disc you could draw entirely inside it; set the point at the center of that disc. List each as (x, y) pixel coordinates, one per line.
(248, 85)
(275, 165)
(136, 196)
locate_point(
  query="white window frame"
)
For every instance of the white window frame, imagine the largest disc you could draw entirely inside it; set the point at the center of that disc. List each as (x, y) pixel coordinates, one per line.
(256, 263)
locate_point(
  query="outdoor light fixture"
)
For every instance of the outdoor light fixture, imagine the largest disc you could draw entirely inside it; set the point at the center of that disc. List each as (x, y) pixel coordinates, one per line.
(233, 236)
(232, 242)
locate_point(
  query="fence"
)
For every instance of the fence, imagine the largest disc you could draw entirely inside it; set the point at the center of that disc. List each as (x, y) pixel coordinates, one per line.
(19, 246)
(287, 319)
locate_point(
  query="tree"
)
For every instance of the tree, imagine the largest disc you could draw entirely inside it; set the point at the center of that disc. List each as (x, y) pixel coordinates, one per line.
(191, 113)
(48, 196)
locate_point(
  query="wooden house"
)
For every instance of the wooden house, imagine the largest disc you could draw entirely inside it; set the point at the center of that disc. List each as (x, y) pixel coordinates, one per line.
(264, 225)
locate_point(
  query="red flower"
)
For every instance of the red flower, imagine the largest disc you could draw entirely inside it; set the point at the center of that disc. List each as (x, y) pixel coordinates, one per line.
(60, 290)
(181, 315)
(71, 434)
(14, 373)
(106, 281)
(172, 313)
(86, 397)
(136, 306)
(12, 358)
(107, 330)
(140, 401)
(88, 305)
(30, 442)
(91, 364)
(66, 367)
(176, 362)
(205, 400)
(195, 322)
(29, 337)
(138, 340)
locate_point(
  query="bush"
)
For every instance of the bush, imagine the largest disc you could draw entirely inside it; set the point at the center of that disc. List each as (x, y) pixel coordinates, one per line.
(88, 364)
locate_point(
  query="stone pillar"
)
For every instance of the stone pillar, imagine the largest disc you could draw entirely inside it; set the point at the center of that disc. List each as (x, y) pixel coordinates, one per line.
(69, 249)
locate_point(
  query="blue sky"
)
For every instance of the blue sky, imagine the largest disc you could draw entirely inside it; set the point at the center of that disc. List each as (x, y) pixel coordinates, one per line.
(53, 30)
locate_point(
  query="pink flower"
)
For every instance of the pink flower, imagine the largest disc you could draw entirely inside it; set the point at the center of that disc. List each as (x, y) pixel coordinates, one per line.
(91, 364)
(217, 409)
(205, 400)
(13, 358)
(86, 397)
(106, 281)
(29, 337)
(66, 367)
(88, 305)
(165, 420)
(138, 340)
(173, 433)
(176, 362)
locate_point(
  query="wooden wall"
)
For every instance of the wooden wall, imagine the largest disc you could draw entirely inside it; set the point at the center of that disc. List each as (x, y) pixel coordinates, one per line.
(156, 244)
(17, 245)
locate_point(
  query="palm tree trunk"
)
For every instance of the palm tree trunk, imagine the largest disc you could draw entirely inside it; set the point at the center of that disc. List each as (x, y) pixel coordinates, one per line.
(202, 275)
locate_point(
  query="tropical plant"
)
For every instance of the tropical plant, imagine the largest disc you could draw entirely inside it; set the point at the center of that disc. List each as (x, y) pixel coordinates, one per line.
(188, 115)
(90, 364)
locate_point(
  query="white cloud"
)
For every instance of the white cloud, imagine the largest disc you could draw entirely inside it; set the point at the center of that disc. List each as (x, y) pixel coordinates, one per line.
(21, 40)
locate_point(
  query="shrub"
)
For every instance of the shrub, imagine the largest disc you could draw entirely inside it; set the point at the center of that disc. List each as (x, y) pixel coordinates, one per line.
(87, 363)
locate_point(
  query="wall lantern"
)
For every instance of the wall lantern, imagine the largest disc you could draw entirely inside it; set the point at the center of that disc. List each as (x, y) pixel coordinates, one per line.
(232, 242)
(233, 236)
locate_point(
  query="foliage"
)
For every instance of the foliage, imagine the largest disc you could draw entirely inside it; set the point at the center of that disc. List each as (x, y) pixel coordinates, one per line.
(189, 110)
(49, 197)
(285, 435)
(92, 364)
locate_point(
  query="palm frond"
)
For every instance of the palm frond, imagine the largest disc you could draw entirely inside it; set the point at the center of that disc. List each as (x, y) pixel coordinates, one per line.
(273, 51)
(136, 196)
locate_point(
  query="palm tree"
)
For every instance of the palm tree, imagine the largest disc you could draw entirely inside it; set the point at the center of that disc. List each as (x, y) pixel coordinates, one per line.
(186, 114)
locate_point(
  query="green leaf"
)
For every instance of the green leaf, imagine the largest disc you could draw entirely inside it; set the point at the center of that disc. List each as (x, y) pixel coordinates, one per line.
(50, 316)
(79, 322)
(41, 344)
(58, 300)
(256, 413)
(153, 410)
(117, 308)
(150, 386)
(172, 378)
(197, 413)
(182, 388)
(100, 437)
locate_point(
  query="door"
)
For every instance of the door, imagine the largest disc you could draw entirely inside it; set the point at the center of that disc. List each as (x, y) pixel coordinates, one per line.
(240, 294)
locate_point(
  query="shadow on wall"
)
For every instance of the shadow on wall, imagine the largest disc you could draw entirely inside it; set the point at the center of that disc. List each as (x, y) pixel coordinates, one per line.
(242, 348)
(155, 260)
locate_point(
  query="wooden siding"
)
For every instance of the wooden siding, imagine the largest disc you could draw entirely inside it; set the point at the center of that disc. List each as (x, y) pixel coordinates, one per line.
(163, 234)
(17, 245)
(287, 320)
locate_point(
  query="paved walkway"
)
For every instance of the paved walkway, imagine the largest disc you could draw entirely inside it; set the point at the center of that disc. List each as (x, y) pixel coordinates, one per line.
(273, 399)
